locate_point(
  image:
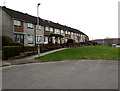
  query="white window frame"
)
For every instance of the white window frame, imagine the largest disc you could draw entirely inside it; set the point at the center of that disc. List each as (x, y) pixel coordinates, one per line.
(47, 28)
(40, 27)
(30, 39)
(17, 23)
(51, 29)
(57, 30)
(66, 32)
(18, 38)
(45, 40)
(71, 33)
(30, 25)
(62, 31)
(39, 38)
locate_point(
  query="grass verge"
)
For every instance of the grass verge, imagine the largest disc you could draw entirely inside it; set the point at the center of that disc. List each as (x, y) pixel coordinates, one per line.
(91, 52)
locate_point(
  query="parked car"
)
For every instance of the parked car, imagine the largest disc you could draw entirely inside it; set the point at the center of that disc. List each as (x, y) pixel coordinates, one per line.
(114, 45)
(117, 46)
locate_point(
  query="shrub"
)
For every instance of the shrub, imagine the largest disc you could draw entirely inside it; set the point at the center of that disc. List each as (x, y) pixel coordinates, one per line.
(7, 41)
(75, 44)
(30, 48)
(10, 51)
(43, 48)
(70, 41)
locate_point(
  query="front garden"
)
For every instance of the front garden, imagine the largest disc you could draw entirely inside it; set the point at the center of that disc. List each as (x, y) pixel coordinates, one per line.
(90, 52)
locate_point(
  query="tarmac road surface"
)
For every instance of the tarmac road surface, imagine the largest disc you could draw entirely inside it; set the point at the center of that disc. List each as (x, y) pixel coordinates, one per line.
(75, 74)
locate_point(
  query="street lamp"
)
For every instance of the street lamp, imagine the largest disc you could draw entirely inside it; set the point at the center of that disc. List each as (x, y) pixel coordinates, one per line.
(38, 28)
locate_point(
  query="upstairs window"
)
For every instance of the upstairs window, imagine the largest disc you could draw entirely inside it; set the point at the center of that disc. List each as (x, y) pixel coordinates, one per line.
(66, 32)
(57, 30)
(17, 23)
(62, 31)
(40, 27)
(46, 28)
(72, 33)
(51, 29)
(30, 25)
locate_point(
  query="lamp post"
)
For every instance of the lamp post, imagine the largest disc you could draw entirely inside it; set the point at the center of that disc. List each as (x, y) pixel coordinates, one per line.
(38, 28)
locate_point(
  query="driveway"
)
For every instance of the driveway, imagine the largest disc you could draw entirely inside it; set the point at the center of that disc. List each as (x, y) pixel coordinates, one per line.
(77, 74)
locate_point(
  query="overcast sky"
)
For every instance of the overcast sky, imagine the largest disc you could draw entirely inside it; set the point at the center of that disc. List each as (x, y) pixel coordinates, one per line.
(96, 18)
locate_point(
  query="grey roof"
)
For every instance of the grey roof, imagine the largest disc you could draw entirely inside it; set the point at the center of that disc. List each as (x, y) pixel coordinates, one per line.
(32, 19)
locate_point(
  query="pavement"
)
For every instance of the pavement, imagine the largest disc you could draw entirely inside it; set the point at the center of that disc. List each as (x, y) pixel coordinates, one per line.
(71, 74)
(29, 59)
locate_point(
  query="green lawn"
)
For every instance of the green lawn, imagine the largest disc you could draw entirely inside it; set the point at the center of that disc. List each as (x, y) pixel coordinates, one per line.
(92, 52)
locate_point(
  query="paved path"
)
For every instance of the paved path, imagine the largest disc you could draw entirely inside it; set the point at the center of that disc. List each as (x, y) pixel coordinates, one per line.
(25, 60)
(76, 74)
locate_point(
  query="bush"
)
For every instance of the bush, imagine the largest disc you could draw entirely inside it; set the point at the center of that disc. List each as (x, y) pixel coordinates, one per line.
(10, 51)
(70, 41)
(7, 41)
(75, 44)
(30, 48)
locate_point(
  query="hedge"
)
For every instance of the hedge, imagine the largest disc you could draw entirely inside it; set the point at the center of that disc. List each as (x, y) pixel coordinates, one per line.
(7, 41)
(30, 48)
(70, 41)
(10, 51)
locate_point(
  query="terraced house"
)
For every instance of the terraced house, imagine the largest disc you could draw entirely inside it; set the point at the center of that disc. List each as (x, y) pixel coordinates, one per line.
(21, 27)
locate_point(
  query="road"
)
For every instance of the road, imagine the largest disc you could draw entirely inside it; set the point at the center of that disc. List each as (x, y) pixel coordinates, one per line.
(77, 74)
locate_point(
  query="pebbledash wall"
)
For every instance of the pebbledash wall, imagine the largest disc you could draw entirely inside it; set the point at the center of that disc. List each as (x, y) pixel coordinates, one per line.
(22, 27)
(7, 24)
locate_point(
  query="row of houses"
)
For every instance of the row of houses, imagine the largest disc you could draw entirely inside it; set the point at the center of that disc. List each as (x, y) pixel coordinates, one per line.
(108, 41)
(22, 27)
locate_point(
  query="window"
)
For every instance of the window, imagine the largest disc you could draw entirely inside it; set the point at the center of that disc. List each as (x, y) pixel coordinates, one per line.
(51, 29)
(57, 30)
(46, 40)
(19, 38)
(30, 39)
(30, 25)
(17, 23)
(66, 32)
(72, 33)
(40, 27)
(62, 31)
(15, 37)
(38, 38)
(46, 28)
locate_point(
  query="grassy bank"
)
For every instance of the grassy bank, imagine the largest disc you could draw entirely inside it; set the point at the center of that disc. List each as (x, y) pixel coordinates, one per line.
(92, 52)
